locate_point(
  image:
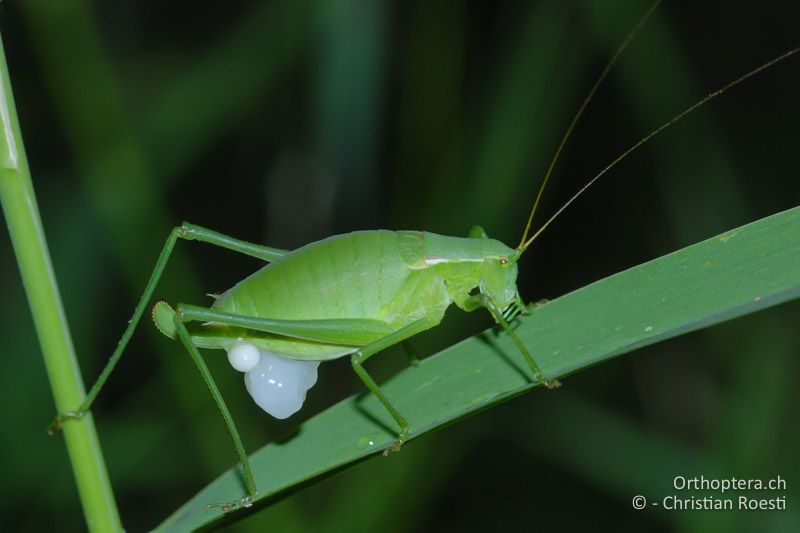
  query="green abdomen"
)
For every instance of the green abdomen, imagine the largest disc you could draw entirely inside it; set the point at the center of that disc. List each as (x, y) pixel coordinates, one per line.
(355, 275)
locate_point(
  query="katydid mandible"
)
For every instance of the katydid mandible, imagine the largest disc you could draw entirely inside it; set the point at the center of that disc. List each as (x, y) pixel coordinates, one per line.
(352, 295)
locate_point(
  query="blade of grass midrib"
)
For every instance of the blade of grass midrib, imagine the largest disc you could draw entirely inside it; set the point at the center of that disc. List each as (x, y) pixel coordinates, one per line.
(741, 271)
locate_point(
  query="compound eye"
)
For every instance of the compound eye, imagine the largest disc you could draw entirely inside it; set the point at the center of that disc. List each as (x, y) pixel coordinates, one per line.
(504, 261)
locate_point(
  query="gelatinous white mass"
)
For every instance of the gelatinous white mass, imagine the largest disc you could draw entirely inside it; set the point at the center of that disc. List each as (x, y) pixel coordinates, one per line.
(279, 384)
(244, 356)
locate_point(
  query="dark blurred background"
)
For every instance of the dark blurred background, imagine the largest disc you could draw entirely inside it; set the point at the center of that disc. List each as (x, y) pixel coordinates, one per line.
(283, 122)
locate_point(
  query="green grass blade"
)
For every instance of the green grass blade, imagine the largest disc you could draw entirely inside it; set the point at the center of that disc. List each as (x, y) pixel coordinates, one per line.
(742, 271)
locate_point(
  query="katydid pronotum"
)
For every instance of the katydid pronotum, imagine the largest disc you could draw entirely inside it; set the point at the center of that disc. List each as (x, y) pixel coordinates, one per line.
(300, 309)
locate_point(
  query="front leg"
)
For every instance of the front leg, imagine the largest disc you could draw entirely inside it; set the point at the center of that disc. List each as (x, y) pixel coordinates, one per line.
(477, 301)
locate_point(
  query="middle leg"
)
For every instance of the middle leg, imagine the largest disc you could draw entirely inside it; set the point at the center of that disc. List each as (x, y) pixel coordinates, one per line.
(368, 351)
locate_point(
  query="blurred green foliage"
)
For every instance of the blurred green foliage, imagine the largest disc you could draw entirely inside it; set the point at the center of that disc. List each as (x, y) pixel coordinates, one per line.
(284, 122)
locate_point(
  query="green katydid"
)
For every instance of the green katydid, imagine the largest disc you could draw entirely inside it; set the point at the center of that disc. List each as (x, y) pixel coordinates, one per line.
(348, 295)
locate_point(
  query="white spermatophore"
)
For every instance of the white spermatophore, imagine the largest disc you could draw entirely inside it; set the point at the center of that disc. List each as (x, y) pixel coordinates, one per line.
(277, 384)
(244, 356)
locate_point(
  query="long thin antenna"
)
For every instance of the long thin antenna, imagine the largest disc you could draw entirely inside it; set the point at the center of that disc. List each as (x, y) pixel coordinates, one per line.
(655, 132)
(578, 115)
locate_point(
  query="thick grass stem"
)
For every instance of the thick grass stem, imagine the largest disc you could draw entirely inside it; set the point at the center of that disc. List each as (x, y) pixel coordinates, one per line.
(27, 236)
